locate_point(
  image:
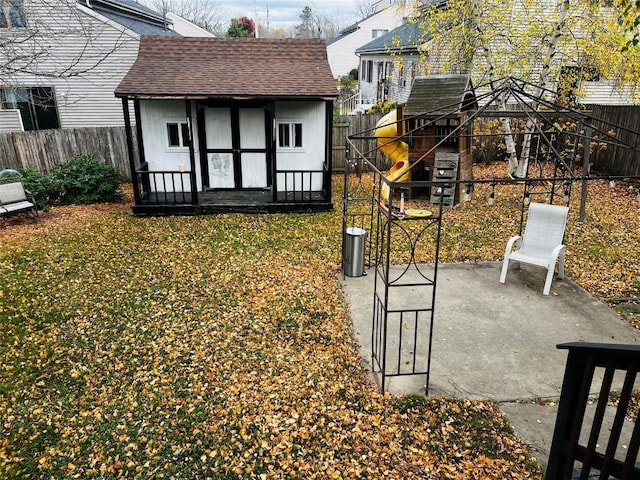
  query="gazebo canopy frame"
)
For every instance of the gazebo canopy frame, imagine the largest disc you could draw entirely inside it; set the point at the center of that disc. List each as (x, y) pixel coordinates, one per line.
(386, 222)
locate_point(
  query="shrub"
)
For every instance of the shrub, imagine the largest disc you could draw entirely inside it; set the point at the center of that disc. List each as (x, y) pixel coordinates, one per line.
(380, 107)
(84, 180)
(46, 191)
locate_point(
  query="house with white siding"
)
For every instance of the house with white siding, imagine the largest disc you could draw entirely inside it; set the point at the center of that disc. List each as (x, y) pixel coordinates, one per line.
(389, 64)
(74, 54)
(341, 50)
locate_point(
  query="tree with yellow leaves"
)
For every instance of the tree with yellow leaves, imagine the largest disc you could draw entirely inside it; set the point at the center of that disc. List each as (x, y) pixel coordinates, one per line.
(554, 44)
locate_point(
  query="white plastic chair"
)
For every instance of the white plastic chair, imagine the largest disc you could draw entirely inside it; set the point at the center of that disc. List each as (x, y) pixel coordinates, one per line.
(542, 242)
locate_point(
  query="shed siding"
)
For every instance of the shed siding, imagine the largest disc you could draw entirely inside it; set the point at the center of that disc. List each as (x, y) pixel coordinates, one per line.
(312, 155)
(154, 114)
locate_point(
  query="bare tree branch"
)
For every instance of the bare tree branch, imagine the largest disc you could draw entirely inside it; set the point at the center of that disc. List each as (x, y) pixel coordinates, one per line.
(54, 30)
(206, 14)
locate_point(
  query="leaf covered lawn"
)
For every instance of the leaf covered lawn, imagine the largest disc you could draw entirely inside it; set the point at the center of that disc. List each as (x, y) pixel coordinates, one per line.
(220, 347)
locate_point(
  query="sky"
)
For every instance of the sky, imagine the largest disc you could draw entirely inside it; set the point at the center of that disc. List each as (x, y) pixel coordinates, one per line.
(285, 13)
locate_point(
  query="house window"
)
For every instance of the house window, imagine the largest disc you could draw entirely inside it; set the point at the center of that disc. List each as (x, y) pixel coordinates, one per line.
(37, 106)
(368, 73)
(177, 134)
(378, 33)
(290, 135)
(12, 14)
(404, 72)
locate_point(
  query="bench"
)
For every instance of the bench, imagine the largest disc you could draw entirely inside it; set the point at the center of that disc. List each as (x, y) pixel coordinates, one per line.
(15, 199)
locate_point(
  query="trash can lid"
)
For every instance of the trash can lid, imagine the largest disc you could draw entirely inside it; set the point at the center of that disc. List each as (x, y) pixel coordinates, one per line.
(355, 231)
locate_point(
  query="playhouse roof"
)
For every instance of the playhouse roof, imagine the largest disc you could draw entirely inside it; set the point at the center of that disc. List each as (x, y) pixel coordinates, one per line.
(237, 68)
(438, 94)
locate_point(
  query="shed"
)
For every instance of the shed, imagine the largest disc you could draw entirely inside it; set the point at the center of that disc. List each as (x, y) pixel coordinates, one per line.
(230, 124)
(435, 119)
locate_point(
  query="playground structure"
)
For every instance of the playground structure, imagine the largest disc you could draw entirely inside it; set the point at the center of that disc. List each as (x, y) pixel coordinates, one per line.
(404, 239)
(396, 150)
(424, 140)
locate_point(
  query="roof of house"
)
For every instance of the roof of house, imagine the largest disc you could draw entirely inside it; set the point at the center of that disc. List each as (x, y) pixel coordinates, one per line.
(347, 31)
(405, 37)
(356, 26)
(441, 94)
(186, 28)
(241, 68)
(133, 16)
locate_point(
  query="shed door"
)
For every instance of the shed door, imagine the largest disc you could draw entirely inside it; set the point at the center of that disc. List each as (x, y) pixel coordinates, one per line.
(236, 148)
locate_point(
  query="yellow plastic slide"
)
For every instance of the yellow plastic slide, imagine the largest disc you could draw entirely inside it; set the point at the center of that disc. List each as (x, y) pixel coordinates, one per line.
(397, 150)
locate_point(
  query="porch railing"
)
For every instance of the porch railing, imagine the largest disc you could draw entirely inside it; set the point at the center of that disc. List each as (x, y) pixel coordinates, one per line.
(298, 186)
(350, 104)
(611, 450)
(170, 187)
(164, 187)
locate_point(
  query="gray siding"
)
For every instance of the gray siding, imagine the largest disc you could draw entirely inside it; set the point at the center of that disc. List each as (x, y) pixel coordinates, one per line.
(96, 54)
(398, 91)
(10, 121)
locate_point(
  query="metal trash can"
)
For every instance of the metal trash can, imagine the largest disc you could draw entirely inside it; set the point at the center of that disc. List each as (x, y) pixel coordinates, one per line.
(354, 240)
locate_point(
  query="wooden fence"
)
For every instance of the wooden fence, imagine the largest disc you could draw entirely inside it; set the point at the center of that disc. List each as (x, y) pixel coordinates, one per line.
(625, 121)
(360, 126)
(46, 148)
(43, 149)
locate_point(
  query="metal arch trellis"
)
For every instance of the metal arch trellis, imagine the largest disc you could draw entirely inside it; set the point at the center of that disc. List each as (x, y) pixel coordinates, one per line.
(404, 297)
(409, 353)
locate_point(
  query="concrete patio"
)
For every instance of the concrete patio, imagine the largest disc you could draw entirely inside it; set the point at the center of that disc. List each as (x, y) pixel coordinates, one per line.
(498, 341)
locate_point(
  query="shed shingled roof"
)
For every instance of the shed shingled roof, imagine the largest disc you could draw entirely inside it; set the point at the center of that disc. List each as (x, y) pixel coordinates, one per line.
(441, 94)
(204, 67)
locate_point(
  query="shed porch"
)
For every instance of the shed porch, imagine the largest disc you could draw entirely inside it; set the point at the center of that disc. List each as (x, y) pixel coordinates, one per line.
(150, 199)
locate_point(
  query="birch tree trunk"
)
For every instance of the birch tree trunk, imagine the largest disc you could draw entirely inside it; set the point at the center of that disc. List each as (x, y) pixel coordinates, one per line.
(505, 123)
(562, 8)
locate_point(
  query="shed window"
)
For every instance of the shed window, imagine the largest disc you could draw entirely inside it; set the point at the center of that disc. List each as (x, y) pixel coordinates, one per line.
(375, 33)
(178, 134)
(37, 106)
(290, 135)
(12, 14)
